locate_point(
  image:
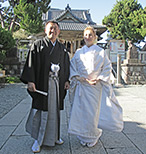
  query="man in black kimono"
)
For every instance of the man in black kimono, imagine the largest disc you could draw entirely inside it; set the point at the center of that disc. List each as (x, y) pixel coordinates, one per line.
(46, 72)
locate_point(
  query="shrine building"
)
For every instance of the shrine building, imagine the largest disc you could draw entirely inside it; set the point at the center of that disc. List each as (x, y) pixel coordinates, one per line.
(72, 23)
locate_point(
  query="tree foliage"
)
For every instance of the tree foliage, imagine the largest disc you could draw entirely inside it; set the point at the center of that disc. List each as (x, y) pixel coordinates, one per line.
(8, 18)
(33, 9)
(30, 15)
(30, 18)
(6, 39)
(6, 42)
(20, 34)
(127, 21)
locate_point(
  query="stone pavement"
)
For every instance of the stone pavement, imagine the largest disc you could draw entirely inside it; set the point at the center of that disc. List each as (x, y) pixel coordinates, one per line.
(132, 140)
(10, 96)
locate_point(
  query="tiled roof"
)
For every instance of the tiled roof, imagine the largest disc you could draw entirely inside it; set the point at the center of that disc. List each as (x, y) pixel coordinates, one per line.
(76, 26)
(73, 20)
(64, 12)
(53, 13)
(81, 15)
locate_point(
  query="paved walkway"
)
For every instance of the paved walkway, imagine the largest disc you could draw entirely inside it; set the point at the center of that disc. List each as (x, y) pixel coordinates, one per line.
(10, 96)
(132, 140)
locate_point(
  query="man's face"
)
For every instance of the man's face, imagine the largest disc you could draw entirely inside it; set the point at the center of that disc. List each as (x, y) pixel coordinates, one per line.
(52, 30)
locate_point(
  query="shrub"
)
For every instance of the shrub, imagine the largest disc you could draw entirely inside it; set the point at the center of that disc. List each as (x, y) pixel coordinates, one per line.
(12, 79)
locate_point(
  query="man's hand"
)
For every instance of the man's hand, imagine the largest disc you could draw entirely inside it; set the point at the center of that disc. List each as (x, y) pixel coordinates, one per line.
(31, 87)
(67, 85)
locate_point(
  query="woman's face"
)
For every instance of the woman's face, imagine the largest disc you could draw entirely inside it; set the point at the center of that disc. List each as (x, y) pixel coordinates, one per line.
(89, 38)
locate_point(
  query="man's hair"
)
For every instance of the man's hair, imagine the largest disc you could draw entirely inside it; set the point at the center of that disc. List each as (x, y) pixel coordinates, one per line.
(53, 22)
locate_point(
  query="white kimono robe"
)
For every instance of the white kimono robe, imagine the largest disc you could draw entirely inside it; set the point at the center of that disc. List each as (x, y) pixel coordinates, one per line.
(93, 106)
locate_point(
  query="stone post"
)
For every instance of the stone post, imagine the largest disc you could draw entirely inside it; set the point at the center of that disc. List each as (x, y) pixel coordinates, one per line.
(118, 69)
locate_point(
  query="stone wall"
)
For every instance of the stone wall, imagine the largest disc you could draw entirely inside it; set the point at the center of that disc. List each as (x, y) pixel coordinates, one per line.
(11, 63)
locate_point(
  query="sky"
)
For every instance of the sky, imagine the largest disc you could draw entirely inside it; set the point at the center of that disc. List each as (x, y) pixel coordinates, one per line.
(98, 9)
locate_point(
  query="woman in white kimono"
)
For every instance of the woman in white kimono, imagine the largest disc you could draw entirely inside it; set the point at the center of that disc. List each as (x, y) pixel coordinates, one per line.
(91, 92)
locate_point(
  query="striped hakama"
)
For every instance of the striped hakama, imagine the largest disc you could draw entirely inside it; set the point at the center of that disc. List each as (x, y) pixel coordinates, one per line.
(44, 126)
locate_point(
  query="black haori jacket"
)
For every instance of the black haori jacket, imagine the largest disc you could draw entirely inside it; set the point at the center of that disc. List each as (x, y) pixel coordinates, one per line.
(37, 68)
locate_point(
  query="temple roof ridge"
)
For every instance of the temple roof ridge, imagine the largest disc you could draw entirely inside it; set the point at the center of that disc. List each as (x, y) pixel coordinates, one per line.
(82, 16)
(64, 12)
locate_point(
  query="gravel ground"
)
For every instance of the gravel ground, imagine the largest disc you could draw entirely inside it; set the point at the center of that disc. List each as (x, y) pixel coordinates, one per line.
(10, 96)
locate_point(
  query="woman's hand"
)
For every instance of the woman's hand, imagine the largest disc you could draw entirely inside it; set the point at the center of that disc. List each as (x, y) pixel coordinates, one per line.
(81, 79)
(92, 82)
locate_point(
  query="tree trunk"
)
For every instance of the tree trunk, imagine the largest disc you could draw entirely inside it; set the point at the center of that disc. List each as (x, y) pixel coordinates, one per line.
(12, 25)
(2, 20)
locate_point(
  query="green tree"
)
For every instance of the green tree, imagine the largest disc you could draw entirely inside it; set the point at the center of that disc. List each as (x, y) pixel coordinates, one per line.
(127, 21)
(6, 39)
(30, 14)
(30, 17)
(10, 20)
(143, 19)
(6, 42)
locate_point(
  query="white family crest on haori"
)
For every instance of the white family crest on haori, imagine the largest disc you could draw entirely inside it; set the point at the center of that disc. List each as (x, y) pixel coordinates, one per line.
(55, 68)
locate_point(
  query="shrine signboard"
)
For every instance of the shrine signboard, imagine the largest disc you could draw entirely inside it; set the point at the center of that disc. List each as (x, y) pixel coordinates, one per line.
(116, 47)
